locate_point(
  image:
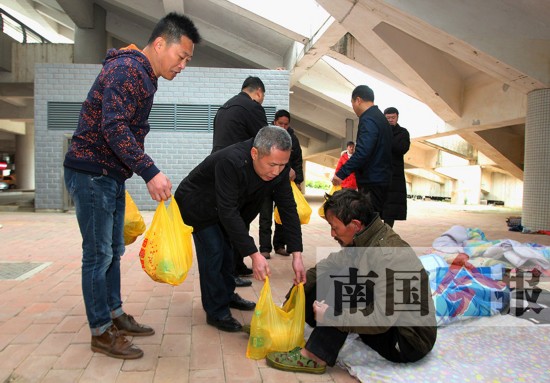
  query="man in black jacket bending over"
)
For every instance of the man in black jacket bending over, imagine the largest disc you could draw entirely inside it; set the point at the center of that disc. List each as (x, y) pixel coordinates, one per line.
(220, 198)
(239, 119)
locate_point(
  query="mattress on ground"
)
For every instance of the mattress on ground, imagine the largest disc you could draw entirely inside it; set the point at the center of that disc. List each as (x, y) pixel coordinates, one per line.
(500, 348)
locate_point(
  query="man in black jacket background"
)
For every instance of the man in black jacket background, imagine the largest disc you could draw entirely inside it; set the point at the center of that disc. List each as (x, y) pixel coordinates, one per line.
(395, 207)
(282, 119)
(242, 116)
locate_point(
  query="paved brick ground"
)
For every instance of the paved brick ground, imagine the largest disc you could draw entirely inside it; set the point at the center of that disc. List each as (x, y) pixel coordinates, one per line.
(44, 336)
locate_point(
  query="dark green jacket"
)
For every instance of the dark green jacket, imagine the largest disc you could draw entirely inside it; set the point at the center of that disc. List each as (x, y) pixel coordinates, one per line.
(379, 249)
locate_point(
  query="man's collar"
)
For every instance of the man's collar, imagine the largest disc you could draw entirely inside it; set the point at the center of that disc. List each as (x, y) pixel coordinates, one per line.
(368, 231)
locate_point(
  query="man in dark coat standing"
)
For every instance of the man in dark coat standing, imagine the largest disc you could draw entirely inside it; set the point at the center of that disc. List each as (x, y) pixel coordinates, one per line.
(372, 159)
(242, 116)
(395, 207)
(282, 119)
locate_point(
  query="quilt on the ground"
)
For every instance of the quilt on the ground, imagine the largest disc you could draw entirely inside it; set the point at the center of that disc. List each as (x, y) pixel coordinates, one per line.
(461, 291)
(497, 349)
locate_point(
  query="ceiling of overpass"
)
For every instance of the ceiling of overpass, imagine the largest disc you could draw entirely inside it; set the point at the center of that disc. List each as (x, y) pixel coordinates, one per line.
(460, 58)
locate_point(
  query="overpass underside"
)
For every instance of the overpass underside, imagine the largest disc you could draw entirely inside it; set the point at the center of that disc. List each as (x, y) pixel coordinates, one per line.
(482, 67)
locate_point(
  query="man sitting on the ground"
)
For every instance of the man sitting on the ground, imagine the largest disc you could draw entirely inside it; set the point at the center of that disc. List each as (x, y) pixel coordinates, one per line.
(375, 286)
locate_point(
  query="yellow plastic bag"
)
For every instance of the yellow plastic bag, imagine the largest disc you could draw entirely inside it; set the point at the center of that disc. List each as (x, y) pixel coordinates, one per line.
(330, 192)
(134, 226)
(304, 210)
(167, 250)
(275, 328)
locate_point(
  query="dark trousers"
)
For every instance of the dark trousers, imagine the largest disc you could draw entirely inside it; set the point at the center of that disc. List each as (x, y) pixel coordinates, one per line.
(238, 260)
(377, 195)
(215, 261)
(266, 215)
(326, 342)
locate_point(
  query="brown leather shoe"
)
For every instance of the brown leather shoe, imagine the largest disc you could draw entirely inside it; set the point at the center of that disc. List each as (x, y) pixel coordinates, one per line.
(265, 254)
(282, 251)
(112, 343)
(127, 325)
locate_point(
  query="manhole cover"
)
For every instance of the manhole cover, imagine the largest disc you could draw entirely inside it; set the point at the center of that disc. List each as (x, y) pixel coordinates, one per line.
(20, 270)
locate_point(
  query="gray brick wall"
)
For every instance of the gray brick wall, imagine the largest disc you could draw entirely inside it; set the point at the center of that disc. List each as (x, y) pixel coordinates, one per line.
(175, 153)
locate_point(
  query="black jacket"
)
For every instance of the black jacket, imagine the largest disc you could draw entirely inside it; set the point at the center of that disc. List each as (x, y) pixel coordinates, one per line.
(296, 157)
(239, 119)
(371, 161)
(224, 189)
(395, 206)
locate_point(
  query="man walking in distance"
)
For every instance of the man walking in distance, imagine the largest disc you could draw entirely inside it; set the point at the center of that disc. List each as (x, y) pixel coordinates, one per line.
(106, 149)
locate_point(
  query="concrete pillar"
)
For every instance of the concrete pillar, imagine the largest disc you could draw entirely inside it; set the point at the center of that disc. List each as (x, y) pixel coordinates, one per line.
(536, 176)
(24, 158)
(90, 44)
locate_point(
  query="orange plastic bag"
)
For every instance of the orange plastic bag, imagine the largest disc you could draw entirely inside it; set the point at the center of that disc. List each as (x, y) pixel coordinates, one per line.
(330, 192)
(275, 328)
(134, 226)
(304, 210)
(167, 250)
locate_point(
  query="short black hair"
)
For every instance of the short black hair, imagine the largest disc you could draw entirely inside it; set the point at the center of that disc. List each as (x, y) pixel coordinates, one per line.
(281, 113)
(173, 26)
(364, 92)
(253, 83)
(391, 110)
(348, 204)
(350, 143)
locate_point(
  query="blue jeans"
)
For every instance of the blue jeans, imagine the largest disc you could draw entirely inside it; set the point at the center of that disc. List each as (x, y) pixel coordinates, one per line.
(215, 260)
(100, 204)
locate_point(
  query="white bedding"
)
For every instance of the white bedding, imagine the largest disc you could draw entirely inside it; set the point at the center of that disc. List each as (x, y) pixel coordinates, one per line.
(495, 349)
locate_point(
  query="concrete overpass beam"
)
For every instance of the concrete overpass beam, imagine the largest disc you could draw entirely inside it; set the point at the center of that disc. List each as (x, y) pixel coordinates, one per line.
(91, 42)
(5, 52)
(429, 63)
(81, 12)
(174, 6)
(9, 112)
(319, 45)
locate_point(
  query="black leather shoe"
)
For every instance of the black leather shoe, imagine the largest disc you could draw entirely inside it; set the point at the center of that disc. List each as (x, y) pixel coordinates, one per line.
(243, 270)
(282, 251)
(227, 323)
(239, 303)
(242, 282)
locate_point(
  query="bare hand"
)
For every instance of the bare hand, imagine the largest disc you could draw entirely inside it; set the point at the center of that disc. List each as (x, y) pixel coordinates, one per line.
(260, 266)
(298, 267)
(336, 181)
(319, 309)
(160, 187)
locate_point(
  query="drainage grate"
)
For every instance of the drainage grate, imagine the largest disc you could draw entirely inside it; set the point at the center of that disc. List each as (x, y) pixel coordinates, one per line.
(20, 270)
